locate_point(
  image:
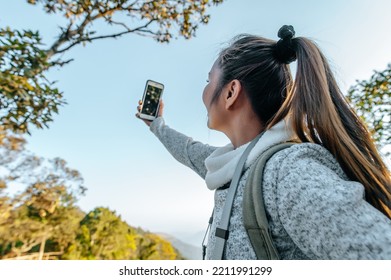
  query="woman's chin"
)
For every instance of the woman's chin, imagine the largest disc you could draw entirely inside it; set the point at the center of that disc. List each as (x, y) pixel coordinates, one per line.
(208, 124)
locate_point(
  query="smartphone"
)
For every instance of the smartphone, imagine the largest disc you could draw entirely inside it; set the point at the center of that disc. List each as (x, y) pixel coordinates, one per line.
(151, 100)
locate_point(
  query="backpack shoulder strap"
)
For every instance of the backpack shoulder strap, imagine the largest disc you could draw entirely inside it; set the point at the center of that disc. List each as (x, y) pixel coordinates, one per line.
(254, 214)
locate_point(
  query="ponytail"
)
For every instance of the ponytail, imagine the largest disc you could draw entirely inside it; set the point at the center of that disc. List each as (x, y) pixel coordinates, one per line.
(320, 114)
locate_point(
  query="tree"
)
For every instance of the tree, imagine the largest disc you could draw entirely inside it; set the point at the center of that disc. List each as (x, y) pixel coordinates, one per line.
(42, 214)
(9, 146)
(42, 221)
(154, 247)
(372, 101)
(103, 236)
(28, 98)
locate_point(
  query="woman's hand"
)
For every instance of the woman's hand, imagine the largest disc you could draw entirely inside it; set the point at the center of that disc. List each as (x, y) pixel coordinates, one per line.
(159, 113)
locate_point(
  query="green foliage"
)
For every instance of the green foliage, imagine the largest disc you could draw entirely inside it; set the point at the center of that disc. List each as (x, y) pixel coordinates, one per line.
(45, 210)
(154, 247)
(26, 96)
(103, 235)
(43, 222)
(372, 101)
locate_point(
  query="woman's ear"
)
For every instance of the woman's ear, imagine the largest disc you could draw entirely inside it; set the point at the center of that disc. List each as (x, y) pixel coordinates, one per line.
(232, 94)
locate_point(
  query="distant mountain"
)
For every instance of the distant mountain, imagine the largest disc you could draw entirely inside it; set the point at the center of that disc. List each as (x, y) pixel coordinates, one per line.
(193, 238)
(188, 251)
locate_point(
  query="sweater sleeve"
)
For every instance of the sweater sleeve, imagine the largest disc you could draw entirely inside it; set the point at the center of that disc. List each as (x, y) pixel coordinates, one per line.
(325, 215)
(183, 148)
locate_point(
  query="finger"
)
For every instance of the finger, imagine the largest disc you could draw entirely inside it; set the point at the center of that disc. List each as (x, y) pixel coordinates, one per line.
(140, 102)
(161, 107)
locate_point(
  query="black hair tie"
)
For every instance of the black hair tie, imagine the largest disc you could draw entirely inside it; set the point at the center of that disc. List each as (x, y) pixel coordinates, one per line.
(284, 50)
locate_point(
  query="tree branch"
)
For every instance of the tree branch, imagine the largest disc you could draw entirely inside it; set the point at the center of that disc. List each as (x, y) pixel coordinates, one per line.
(117, 23)
(135, 30)
(64, 37)
(68, 33)
(62, 63)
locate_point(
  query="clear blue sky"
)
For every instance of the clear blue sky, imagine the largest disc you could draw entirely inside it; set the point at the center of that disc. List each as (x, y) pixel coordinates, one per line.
(124, 166)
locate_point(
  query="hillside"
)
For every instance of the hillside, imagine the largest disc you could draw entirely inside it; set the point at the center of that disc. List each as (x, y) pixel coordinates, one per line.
(188, 251)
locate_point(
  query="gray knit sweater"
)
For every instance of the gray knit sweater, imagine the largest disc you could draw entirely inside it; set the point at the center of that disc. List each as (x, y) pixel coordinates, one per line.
(314, 211)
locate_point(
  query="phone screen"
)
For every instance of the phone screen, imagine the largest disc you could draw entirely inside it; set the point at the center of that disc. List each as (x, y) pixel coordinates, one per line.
(151, 100)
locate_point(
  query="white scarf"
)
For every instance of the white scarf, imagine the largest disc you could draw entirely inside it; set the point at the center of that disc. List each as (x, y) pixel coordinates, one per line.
(222, 162)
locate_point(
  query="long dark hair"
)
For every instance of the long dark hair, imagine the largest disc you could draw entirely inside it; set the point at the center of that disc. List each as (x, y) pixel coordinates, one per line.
(314, 103)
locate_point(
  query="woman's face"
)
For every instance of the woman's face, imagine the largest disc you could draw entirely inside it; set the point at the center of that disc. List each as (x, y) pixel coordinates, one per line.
(215, 112)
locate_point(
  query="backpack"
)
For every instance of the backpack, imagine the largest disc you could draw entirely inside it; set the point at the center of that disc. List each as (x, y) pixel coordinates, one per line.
(254, 214)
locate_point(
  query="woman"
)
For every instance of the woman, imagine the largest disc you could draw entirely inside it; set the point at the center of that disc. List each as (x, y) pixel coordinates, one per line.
(327, 197)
